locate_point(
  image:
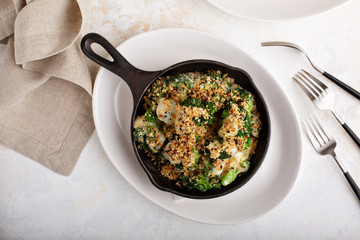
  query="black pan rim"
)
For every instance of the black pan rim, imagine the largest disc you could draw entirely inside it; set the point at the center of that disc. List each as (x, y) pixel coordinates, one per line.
(196, 194)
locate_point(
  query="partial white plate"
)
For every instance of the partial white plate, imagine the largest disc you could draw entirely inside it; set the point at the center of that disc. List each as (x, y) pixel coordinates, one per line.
(156, 50)
(275, 9)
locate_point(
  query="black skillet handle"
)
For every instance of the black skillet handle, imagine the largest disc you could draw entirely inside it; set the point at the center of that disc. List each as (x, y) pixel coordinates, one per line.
(342, 85)
(137, 79)
(119, 63)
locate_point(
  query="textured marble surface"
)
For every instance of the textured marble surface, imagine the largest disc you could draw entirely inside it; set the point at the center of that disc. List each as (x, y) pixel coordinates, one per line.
(95, 202)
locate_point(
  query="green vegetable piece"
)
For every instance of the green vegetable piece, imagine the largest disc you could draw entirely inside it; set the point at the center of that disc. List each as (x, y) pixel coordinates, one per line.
(192, 102)
(139, 134)
(245, 164)
(179, 82)
(225, 112)
(203, 184)
(197, 155)
(144, 134)
(224, 155)
(217, 185)
(140, 137)
(179, 166)
(249, 104)
(208, 167)
(248, 143)
(198, 121)
(216, 98)
(211, 119)
(158, 92)
(235, 93)
(215, 75)
(211, 107)
(247, 126)
(228, 178)
(150, 116)
(241, 133)
(243, 93)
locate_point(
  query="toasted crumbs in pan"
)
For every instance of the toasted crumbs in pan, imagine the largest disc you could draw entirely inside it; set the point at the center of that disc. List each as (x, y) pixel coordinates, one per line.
(200, 129)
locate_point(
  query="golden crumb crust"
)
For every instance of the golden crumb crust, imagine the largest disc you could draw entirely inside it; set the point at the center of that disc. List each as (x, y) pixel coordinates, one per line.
(200, 128)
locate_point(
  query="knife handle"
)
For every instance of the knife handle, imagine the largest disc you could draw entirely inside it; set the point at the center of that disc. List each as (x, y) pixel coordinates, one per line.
(342, 85)
(352, 134)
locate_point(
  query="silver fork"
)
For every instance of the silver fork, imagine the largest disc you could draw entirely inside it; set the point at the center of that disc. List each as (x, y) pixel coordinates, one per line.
(324, 73)
(322, 97)
(325, 144)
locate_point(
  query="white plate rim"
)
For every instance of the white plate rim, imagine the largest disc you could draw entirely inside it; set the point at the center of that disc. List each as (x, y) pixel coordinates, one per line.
(274, 17)
(297, 132)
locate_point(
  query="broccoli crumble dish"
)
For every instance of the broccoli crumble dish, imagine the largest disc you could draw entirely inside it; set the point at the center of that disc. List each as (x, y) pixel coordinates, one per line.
(200, 129)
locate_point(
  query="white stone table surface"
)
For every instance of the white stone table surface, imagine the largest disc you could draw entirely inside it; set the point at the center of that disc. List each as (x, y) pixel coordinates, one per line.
(96, 202)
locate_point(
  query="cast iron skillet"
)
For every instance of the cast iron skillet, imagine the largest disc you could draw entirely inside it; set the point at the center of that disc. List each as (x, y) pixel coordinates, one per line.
(139, 81)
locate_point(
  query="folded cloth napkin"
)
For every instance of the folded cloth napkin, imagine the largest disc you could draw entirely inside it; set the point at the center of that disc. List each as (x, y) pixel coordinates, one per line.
(45, 85)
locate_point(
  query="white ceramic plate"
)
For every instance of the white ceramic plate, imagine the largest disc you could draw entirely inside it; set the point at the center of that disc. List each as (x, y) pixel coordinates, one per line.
(112, 107)
(275, 9)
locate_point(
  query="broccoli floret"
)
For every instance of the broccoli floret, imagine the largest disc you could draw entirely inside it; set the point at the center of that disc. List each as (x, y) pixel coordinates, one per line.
(192, 102)
(198, 121)
(139, 137)
(179, 166)
(247, 143)
(249, 104)
(226, 111)
(237, 94)
(216, 75)
(217, 185)
(139, 134)
(149, 138)
(203, 184)
(217, 99)
(243, 93)
(245, 164)
(245, 96)
(247, 127)
(180, 82)
(197, 155)
(210, 107)
(150, 116)
(228, 177)
(224, 155)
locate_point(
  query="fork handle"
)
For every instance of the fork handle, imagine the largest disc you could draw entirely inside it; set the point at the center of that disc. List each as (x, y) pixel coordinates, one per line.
(342, 85)
(353, 185)
(352, 134)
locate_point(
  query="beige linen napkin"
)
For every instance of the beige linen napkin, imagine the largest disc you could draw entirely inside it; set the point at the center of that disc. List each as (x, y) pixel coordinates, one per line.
(45, 86)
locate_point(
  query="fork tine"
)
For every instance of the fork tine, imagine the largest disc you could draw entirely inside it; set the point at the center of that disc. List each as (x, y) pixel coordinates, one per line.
(309, 92)
(320, 127)
(313, 85)
(314, 141)
(315, 128)
(318, 82)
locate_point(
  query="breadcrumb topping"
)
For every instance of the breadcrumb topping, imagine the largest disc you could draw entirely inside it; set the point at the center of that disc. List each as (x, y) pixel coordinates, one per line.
(199, 128)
